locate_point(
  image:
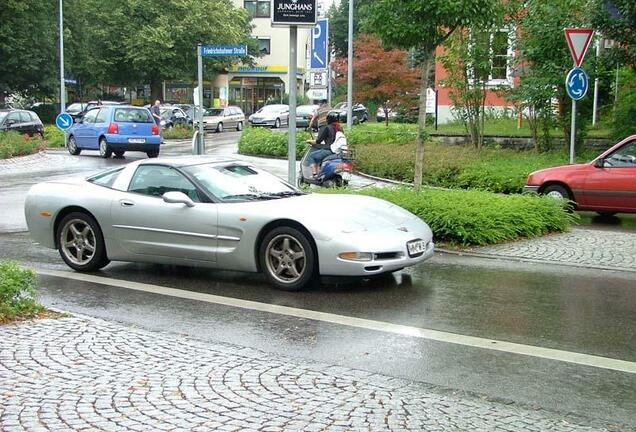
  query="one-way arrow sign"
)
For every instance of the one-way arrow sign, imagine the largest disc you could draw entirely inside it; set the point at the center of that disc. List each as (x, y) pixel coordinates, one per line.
(578, 41)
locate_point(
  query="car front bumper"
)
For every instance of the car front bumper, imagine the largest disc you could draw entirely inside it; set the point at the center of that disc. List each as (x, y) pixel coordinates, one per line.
(531, 189)
(264, 122)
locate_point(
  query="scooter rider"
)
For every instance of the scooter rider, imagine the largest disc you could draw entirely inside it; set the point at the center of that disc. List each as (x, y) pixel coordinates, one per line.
(321, 146)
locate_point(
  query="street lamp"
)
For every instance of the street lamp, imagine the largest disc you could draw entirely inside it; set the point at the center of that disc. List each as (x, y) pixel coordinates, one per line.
(350, 69)
(62, 86)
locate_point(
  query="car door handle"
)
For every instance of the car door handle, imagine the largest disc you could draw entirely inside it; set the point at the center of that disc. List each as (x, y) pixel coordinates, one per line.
(126, 203)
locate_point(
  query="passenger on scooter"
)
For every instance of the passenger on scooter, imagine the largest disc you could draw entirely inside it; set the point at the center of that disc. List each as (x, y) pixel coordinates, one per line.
(321, 146)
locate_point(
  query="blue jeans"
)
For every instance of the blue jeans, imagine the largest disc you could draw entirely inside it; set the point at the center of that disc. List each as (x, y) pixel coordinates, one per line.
(316, 156)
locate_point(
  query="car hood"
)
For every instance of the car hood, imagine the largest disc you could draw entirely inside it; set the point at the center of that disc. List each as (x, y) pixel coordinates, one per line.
(562, 169)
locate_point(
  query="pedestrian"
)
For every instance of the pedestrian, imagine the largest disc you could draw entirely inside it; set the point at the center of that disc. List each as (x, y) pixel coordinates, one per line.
(319, 119)
(156, 112)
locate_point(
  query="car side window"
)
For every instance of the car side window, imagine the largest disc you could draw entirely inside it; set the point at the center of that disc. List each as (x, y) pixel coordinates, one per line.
(90, 116)
(25, 117)
(156, 180)
(623, 157)
(15, 116)
(102, 116)
(34, 116)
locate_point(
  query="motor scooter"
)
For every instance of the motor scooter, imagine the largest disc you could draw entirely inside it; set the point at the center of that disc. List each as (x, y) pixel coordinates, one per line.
(335, 169)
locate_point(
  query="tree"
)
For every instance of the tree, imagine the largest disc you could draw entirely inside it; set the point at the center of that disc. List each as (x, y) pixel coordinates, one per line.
(616, 20)
(383, 77)
(28, 50)
(423, 26)
(338, 15)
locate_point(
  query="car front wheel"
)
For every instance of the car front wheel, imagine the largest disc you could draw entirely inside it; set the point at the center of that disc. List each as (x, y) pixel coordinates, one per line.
(239, 126)
(557, 192)
(80, 242)
(219, 128)
(287, 258)
(277, 123)
(104, 149)
(72, 146)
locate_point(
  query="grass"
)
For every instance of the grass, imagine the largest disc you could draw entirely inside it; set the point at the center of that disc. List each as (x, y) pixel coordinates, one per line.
(18, 293)
(13, 144)
(465, 218)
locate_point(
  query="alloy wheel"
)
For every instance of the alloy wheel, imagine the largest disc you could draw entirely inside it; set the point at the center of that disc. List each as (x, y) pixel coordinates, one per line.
(285, 259)
(78, 241)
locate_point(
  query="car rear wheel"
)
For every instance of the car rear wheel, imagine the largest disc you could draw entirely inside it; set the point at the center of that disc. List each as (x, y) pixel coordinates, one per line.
(152, 153)
(80, 242)
(104, 149)
(277, 123)
(119, 153)
(287, 258)
(72, 146)
(239, 126)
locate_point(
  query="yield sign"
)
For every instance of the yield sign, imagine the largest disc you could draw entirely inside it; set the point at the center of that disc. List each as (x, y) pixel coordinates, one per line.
(578, 41)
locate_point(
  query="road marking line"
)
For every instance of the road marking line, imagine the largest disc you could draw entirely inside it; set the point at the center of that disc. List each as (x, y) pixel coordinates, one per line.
(422, 333)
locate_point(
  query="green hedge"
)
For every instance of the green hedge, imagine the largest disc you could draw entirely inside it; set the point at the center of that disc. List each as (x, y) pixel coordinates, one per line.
(13, 144)
(267, 142)
(476, 217)
(17, 292)
(178, 132)
(53, 136)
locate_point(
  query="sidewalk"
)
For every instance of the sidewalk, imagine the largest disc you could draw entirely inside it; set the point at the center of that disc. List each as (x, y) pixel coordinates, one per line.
(82, 373)
(581, 247)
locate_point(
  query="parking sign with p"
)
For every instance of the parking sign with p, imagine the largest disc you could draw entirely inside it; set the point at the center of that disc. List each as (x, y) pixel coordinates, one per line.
(320, 44)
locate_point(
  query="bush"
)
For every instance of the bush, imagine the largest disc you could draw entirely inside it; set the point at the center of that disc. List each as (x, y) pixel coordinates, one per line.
(623, 124)
(13, 144)
(47, 112)
(266, 142)
(178, 132)
(476, 217)
(54, 136)
(17, 292)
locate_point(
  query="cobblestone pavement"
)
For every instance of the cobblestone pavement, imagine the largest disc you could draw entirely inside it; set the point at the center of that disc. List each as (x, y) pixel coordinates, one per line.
(86, 374)
(580, 247)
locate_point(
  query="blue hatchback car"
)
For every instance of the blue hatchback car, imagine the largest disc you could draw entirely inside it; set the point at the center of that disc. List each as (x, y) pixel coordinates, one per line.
(115, 129)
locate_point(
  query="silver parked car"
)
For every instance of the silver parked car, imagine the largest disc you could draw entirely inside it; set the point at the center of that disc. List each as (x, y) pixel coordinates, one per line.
(219, 119)
(222, 213)
(271, 115)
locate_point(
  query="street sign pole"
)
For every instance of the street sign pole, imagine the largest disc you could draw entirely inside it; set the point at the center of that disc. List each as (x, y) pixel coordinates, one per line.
(201, 141)
(293, 65)
(62, 85)
(573, 133)
(350, 69)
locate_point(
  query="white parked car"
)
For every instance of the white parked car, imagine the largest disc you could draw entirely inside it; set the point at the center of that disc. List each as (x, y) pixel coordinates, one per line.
(271, 115)
(220, 119)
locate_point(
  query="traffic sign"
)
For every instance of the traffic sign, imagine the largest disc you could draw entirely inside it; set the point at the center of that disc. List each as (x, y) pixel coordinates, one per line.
(317, 94)
(318, 78)
(578, 41)
(64, 121)
(320, 44)
(577, 83)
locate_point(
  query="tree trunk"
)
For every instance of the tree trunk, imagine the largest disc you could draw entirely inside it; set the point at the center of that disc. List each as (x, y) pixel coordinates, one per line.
(421, 121)
(156, 90)
(386, 115)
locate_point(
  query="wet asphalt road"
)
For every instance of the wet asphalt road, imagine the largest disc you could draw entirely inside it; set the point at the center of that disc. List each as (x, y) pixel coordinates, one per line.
(578, 310)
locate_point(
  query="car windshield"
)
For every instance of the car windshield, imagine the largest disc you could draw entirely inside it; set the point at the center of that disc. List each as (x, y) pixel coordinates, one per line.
(132, 115)
(271, 108)
(234, 182)
(74, 108)
(214, 112)
(106, 178)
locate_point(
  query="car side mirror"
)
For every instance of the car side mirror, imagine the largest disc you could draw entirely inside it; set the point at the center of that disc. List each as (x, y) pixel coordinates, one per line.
(599, 163)
(177, 198)
(11, 122)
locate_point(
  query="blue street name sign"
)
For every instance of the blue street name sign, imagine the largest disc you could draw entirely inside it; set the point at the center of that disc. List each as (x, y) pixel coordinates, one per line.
(64, 121)
(577, 83)
(319, 44)
(223, 50)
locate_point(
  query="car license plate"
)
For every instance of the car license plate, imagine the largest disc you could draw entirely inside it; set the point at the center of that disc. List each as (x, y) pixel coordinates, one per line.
(137, 140)
(416, 247)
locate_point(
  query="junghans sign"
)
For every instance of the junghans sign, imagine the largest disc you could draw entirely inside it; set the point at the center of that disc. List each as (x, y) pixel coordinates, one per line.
(294, 12)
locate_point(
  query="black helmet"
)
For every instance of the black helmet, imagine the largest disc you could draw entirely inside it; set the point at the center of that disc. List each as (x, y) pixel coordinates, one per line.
(332, 117)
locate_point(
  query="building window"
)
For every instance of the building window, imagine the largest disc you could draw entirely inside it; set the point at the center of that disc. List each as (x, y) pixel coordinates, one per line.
(499, 51)
(264, 46)
(493, 51)
(258, 8)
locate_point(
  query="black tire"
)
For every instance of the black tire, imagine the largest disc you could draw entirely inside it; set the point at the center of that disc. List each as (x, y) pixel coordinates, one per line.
(287, 259)
(76, 234)
(219, 128)
(300, 180)
(71, 146)
(239, 126)
(119, 153)
(277, 124)
(152, 153)
(104, 149)
(606, 214)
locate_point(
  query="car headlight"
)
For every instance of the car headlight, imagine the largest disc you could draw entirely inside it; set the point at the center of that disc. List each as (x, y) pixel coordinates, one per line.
(356, 256)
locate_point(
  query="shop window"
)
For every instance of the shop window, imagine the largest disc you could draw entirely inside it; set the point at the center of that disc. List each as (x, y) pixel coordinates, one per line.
(258, 8)
(264, 46)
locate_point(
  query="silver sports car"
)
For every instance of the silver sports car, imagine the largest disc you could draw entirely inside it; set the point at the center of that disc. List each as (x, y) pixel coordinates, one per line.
(222, 213)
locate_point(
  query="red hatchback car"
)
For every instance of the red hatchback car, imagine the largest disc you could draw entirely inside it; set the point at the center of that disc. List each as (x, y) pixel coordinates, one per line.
(606, 185)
